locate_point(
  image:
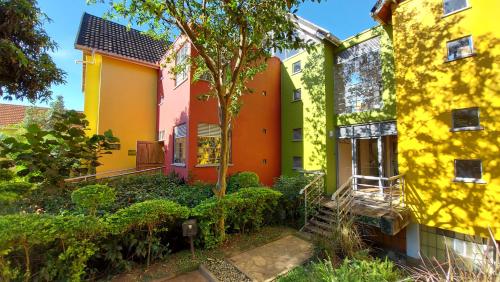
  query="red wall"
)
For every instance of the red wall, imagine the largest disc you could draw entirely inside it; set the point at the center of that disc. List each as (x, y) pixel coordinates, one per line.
(256, 130)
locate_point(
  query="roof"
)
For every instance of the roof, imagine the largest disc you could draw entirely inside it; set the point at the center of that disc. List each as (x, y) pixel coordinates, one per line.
(315, 30)
(108, 37)
(14, 114)
(381, 11)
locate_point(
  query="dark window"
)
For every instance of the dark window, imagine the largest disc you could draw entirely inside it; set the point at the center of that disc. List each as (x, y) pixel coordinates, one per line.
(296, 67)
(297, 134)
(297, 163)
(468, 169)
(466, 118)
(451, 6)
(460, 48)
(297, 94)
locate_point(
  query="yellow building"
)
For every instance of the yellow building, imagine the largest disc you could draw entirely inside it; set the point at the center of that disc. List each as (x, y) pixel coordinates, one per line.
(120, 76)
(448, 118)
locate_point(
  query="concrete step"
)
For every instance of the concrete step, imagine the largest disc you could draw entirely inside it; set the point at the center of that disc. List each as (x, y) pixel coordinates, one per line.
(325, 218)
(317, 231)
(321, 224)
(326, 212)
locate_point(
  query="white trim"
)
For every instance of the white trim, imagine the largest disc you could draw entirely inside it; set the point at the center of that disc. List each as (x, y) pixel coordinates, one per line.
(468, 6)
(471, 44)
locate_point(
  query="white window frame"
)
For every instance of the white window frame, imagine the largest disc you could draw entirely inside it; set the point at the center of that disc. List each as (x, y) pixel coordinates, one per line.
(469, 179)
(161, 135)
(466, 128)
(297, 90)
(467, 6)
(180, 58)
(184, 135)
(471, 44)
(299, 62)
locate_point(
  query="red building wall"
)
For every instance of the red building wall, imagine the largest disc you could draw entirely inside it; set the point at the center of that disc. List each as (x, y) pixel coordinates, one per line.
(256, 130)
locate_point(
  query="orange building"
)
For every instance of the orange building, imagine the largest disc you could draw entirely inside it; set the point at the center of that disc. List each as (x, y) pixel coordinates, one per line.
(190, 131)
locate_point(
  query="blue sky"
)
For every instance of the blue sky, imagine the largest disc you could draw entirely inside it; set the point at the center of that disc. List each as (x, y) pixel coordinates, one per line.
(343, 18)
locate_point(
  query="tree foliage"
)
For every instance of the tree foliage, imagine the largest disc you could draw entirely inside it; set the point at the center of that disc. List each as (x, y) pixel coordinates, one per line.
(92, 197)
(26, 68)
(64, 150)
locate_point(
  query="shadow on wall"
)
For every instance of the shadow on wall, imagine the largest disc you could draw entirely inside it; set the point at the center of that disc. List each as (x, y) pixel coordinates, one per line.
(169, 146)
(428, 89)
(314, 83)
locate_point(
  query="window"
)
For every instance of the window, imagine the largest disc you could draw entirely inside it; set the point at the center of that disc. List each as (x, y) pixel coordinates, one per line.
(297, 163)
(297, 95)
(451, 6)
(209, 144)
(468, 170)
(460, 48)
(180, 133)
(296, 67)
(287, 53)
(161, 135)
(181, 60)
(297, 134)
(465, 119)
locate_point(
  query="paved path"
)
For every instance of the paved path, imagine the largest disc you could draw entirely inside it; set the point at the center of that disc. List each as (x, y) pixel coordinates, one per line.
(271, 260)
(194, 276)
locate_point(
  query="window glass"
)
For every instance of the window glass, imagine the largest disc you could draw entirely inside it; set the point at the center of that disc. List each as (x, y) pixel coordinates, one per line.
(209, 144)
(180, 133)
(297, 134)
(161, 135)
(451, 6)
(297, 163)
(468, 169)
(296, 67)
(297, 94)
(460, 48)
(465, 118)
(181, 60)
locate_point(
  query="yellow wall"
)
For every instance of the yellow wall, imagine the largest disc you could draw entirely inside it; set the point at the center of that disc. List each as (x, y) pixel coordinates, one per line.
(92, 83)
(428, 89)
(125, 97)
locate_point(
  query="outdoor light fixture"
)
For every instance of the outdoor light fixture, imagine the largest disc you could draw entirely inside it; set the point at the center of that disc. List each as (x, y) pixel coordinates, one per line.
(190, 229)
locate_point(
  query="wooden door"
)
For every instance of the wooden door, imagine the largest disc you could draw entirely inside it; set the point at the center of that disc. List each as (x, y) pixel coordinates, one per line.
(150, 154)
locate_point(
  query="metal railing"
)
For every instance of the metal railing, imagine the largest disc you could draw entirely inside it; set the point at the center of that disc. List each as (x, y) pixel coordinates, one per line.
(343, 199)
(313, 194)
(388, 189)
(114, 174)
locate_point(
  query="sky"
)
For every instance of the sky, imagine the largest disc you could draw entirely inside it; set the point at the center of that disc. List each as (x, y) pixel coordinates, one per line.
(343, 18)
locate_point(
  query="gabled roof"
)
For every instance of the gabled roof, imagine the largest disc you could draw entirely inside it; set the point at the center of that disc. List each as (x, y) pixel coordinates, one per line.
(382, 10)
(111, 38)
(14, 114)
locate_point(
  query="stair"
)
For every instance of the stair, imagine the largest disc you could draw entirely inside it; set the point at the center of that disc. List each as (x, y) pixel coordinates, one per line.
(320, 224)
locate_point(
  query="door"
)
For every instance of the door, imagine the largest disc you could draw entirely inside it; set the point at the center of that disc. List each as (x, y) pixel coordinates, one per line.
(150, 154)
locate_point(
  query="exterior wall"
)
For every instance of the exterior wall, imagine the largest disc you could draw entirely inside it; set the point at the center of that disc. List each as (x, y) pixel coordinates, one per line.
(127, 104)
(256, 130)
(388, 109)
(313, 113)
(428, 89)
(92, 88)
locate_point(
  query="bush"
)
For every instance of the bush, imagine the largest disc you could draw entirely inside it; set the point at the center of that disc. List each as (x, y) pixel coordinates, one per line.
(6, 175)
(92, 197)
(150, 214)
(291, 204)
(243, 211)
(345, 241)
(241, 180)
(10, 193)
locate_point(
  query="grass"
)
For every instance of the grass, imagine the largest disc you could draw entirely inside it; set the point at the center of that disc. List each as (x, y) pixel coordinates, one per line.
(182, 262)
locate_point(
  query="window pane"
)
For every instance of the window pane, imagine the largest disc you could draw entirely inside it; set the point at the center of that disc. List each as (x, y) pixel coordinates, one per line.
(297, 94)
(297, 162)
(180, 133)
(297, 134)
(459, 48)
(181, 58)
(468, 169)
(296, 67)
(209, 144)
(465, 118)
(451, 6)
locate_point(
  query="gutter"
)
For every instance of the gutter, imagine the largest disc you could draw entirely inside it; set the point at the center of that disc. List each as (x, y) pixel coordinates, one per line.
(119, 57)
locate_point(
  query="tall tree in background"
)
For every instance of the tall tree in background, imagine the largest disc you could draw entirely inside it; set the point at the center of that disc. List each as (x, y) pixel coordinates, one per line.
(26, 69)
(233, 39)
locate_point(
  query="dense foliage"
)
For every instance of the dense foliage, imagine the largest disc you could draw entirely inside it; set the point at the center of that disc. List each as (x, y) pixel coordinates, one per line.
(243, 179)
(92, 197)
(51, 154)
(26, 68)
(245, 210)
(292, 203)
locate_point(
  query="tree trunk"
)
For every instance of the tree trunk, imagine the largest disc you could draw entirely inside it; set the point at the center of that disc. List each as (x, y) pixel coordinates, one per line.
(27, 275)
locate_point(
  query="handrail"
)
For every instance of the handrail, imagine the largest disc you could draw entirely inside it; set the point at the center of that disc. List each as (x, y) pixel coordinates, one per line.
(129, 172)
(313, 194)
(311, 183)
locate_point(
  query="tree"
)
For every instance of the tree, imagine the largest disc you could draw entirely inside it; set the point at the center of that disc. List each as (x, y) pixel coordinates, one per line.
(51, 154)
(232, 38)
(26, 69)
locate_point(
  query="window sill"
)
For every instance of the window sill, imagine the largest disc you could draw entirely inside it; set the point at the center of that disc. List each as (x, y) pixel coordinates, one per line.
(298, 100)
(297, 140)
(468, 180)
(455, 12)
(458, 59)
(297, 72)
(469, 128)
(180, 83)
(209, 165)
(178, 165)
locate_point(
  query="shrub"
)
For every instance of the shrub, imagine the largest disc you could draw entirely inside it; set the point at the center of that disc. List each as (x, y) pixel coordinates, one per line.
(6, 175)
(291, 204)
(241, 180)
(150, 214)
(243, 210)
(10, 193)
(92, 197)
(345, 242)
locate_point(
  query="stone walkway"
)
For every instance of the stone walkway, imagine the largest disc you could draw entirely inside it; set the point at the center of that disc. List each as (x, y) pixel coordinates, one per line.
(267, 262)
(194, 276)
